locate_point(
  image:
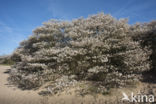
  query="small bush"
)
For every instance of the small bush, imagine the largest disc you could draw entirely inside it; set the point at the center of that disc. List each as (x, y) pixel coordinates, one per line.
(6, 60)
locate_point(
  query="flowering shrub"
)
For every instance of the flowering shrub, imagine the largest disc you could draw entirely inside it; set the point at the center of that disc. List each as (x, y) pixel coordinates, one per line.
(98, 48)
(145, 33)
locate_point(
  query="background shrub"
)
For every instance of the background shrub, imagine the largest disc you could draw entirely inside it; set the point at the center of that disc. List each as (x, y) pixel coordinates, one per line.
(6, 60)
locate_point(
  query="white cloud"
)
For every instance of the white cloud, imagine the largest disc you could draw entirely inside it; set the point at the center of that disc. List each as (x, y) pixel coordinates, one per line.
(133, 9)
(10, 38)
(5, 28)
(57, 11)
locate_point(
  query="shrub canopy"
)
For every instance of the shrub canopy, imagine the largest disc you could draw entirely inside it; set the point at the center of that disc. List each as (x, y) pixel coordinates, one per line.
(98, 48)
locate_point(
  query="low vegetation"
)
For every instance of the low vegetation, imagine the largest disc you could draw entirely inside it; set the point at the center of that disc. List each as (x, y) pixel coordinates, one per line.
(6, 60)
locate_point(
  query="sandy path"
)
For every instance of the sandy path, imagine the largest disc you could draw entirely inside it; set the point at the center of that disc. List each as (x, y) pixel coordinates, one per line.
(12, 95)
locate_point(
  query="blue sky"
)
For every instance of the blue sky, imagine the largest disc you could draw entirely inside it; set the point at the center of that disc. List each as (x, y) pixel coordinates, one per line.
(19, 17)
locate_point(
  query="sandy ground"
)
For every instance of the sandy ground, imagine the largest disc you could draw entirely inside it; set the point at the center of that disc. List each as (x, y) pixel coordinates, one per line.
(10, 94)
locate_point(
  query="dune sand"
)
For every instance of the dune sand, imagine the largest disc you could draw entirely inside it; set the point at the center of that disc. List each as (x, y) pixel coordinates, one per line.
(10, 94)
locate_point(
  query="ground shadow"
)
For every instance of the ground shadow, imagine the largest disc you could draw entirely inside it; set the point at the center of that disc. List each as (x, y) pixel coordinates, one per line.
(8, 84)
(149, 77)
(7, 71)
